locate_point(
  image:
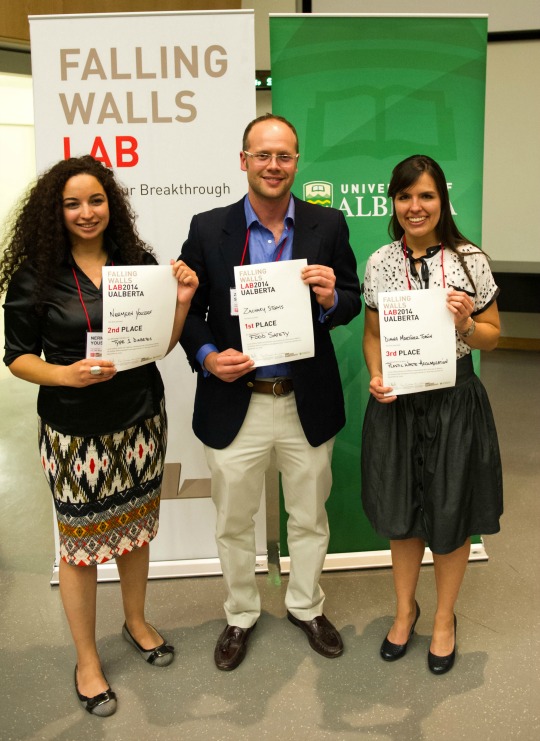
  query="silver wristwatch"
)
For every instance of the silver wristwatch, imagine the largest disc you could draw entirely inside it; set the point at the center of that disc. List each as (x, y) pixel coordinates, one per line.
(470, 331)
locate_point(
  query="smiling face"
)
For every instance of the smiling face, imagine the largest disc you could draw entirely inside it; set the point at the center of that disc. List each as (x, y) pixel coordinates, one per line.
(418, 210)
(86, 210)
(273, 180)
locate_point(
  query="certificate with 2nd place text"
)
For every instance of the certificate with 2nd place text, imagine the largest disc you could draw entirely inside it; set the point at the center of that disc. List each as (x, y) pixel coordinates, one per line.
(274, 310)
(138, 313)
(418, 344)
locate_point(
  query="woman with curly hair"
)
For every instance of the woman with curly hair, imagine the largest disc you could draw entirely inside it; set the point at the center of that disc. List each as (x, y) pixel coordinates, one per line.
(102, 434)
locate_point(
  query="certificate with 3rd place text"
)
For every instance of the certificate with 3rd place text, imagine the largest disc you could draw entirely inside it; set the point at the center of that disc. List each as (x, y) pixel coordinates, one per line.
(274, 310)
(418, 344)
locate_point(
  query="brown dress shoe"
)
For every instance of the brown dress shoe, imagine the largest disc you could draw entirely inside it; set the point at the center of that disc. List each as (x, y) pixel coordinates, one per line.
(322, 635)
(231, 647)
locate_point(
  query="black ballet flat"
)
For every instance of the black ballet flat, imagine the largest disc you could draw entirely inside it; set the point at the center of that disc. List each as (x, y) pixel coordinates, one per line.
(161, 655)
(103, 704)
(394, 651)
(443, 664)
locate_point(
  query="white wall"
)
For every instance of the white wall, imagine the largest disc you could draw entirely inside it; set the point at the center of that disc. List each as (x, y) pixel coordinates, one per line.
(16, 139)
(510, 225)
(17, 155)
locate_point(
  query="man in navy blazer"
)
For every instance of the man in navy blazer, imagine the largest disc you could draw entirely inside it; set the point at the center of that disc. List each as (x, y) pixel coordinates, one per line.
(242, 414)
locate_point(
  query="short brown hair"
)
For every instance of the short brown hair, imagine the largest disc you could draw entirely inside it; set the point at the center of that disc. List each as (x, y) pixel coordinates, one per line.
(267, 117)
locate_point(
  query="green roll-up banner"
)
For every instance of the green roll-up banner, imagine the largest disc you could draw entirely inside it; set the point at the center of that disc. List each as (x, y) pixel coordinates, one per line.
(364, 92)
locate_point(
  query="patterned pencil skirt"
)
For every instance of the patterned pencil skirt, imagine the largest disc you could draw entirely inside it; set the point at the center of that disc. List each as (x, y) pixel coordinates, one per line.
(106, 488)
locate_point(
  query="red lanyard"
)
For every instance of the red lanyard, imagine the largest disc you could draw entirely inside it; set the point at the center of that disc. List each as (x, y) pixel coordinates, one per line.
(278, 256)
(404, 243)
(81, 298)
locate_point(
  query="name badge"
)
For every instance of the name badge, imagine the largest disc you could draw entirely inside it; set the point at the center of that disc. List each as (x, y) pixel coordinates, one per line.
(234, 302)
(94, 344)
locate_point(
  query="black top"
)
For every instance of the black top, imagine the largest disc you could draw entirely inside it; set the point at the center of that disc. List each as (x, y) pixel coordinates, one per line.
(60, 334)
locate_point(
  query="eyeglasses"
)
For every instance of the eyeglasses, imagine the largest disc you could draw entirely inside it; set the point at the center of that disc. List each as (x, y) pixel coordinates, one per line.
(263, 158)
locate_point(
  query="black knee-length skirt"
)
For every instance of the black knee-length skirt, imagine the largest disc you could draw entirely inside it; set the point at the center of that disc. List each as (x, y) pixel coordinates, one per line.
(431, 465)
(106, 488)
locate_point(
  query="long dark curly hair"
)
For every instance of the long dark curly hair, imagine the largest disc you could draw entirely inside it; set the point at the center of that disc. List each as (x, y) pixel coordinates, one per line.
(36, 233)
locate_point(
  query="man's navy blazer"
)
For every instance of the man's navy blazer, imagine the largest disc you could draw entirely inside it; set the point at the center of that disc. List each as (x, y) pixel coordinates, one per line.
(213, 248)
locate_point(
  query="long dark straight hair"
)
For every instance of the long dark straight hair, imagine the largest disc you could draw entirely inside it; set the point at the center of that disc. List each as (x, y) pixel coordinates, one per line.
(404, 175)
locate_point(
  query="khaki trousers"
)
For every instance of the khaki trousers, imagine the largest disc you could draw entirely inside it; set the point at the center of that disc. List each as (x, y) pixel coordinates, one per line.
(238, 470)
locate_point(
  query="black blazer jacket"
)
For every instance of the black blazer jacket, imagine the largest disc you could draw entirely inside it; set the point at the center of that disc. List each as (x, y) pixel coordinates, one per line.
(214, 246)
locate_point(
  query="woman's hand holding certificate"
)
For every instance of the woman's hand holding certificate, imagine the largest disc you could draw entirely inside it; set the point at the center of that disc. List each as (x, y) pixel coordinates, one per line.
(418, 345)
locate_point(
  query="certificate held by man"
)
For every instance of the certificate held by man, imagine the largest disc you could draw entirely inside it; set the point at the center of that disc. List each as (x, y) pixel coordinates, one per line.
(138, 313)
(418, 345)
(274, 310)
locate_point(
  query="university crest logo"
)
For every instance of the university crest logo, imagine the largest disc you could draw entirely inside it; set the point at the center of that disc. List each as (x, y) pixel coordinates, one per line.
(319, 192)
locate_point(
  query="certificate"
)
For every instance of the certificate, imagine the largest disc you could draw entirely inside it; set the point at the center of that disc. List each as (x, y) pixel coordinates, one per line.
(138, 313)
(274, 310)
(418, 342)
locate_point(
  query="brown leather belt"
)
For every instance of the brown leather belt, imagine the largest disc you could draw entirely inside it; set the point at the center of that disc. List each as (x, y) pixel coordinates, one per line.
(279, 387)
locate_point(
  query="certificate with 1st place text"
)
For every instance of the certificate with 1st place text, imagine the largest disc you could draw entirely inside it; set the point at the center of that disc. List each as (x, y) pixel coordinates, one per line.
(418, 344)
(138, 313)
(274, 310)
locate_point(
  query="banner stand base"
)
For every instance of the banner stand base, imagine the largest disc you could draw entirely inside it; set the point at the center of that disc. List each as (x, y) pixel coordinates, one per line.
(211, 567)
(376, 559)
(167, 569)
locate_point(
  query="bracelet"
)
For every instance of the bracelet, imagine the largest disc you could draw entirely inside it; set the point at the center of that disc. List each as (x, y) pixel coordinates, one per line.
(470, 331)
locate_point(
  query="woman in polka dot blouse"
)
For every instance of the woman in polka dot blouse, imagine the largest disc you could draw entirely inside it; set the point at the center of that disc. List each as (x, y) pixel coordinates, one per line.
(431, 470)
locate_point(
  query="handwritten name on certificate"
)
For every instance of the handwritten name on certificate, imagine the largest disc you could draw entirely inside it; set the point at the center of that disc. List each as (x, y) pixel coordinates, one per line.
(138, 313)
(418, 344)
(274, 310)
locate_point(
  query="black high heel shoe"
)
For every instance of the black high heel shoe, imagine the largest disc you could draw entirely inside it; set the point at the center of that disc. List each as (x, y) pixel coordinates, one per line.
(394, 651)
(103, 704)
(443, 664)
